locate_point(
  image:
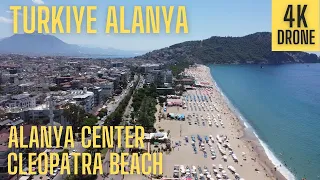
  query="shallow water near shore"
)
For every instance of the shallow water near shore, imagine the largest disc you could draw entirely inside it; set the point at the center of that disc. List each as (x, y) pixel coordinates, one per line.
(282, 105)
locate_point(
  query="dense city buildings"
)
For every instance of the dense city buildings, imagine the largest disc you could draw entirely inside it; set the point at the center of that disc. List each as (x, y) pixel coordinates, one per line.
(37, 91)
(65, 91)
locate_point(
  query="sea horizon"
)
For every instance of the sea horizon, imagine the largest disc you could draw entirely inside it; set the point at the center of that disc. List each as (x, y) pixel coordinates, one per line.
(243, 87)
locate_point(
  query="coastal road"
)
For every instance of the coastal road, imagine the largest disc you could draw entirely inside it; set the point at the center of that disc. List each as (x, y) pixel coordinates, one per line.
(111, 106)
(106, 162)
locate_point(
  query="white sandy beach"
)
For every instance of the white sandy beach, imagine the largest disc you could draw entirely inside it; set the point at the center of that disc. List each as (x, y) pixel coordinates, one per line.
(198, 113)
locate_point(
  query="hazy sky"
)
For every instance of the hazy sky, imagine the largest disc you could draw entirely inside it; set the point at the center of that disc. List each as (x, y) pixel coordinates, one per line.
(206, 18)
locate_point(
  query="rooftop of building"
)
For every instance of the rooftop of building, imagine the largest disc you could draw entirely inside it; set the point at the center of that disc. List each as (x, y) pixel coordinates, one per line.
(20, 96)
(41, 107)
(150, 65)
(83, 95)
(27, 84)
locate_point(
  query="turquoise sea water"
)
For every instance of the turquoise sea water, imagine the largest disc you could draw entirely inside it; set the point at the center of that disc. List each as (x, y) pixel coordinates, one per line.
(282, 105)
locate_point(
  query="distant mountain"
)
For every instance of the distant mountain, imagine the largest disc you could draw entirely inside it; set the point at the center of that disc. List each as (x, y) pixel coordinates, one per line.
(112, 51)
(251, 49)
(41, 44)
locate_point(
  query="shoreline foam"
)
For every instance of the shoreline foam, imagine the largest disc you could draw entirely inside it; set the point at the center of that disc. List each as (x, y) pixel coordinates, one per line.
(247, 128)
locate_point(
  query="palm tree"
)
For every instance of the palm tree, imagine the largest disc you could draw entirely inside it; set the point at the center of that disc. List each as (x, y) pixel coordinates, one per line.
(73, 114)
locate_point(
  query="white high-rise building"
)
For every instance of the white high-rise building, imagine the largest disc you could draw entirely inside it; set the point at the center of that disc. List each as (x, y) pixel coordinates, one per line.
(85, 99)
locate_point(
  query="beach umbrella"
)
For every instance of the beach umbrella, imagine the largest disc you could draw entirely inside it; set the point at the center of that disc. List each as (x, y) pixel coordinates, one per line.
(231, 168)
(208, 176)
(213, 166)
(223, 171)
(219, 176)
(224, 157)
